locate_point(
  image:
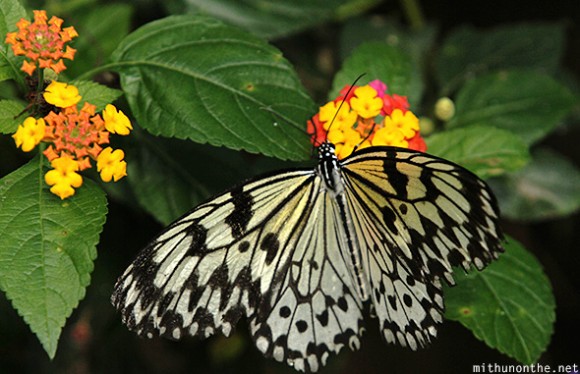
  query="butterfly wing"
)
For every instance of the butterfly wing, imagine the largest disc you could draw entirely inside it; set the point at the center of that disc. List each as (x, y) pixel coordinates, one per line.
(416, 216)
(267, 250)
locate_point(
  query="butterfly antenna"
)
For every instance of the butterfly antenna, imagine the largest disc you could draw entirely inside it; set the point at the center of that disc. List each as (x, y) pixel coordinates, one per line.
(344, 99)
(365, 138)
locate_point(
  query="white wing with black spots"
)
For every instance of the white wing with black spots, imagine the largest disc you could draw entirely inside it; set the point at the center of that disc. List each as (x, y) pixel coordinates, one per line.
(416, 217)
(301, 253)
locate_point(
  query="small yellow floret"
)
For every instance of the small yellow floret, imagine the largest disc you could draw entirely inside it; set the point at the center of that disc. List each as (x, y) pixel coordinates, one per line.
(116, 122)
(29, 134)
(61, 95)
(407, 124)
(64, 177)
(110, 164)
(366, 102)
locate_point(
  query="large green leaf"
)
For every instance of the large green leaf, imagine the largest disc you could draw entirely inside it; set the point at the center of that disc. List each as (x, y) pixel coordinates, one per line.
(194, 77)
(549, 187)
(9, 115)
(468, 52)
(527, 103)
(378, 60)
(47, 248)
(271, 18)
(484, 150)
(509, 305)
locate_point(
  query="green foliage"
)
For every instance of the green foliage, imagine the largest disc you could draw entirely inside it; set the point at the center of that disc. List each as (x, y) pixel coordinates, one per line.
(468, 52)
(96, 94)
(47, 248)
(529, 104)
(271, 18)
(376, 59)
(9, 111)
(485, 150)
(204, 82)
(10, 13)
(509, 305)
(193, 77)
(547, 188)
(166, 185)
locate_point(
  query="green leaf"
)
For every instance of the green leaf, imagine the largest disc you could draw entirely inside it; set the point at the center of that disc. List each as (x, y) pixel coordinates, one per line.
(96, 94)
(378, 60)
(484, 150)
(527, 103)
(271, 18)
(468, 52)
(101, 28)
(10, 13)
(166, 186)
(194, 77)
(510, 305)
(415, 43)
(9, 115)
(47, 248)
(549, 187)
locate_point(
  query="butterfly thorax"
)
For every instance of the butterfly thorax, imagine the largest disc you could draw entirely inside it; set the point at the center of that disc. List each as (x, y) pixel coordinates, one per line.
(329, 168)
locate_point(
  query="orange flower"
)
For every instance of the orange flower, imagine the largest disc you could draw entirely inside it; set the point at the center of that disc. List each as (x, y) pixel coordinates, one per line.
(42, 43)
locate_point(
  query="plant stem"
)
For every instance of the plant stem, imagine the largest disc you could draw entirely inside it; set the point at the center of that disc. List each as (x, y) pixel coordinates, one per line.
(414, 14)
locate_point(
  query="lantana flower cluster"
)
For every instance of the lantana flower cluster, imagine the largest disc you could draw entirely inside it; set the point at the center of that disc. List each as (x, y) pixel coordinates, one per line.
(364, 116)
(42, 43)
(73, 135)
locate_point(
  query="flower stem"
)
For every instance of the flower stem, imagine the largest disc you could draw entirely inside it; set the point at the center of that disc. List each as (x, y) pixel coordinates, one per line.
(413, 13)
(91, 73)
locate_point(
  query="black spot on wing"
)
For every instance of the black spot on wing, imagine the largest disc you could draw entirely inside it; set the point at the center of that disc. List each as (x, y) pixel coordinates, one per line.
(240, 216)
(390, 218)
(398, 180)
(301, 325)
(198, 235)
(270, 244)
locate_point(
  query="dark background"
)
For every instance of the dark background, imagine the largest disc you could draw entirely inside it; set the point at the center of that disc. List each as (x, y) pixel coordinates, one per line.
(95, 341)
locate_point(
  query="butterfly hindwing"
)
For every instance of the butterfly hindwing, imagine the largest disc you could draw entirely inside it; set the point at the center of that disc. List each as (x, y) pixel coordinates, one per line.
(315, 310)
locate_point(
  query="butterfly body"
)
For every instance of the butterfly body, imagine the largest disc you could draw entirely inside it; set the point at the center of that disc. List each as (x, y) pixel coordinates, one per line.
(300, 252)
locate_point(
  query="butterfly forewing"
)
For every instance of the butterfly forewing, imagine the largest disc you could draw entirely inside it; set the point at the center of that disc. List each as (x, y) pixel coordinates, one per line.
(416, 217)
(208, 268)
(300, 253)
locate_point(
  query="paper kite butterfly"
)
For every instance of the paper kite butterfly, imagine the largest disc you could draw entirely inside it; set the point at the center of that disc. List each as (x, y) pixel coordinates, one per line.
(301, 253)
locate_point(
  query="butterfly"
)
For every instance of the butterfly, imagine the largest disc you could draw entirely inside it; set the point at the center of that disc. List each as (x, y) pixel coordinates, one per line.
(302, 253)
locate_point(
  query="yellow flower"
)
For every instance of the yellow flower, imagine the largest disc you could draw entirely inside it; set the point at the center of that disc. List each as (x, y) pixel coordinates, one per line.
(389, 136)
(366, 102)
(63, 177)
(345, 141)
(29, 134)
(344, 118)
(116, 121)
(111, 165)
(407, 124)
(61, 95)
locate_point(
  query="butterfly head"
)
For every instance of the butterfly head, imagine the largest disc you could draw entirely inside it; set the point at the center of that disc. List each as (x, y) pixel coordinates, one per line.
(329, 167)
(326, 151)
